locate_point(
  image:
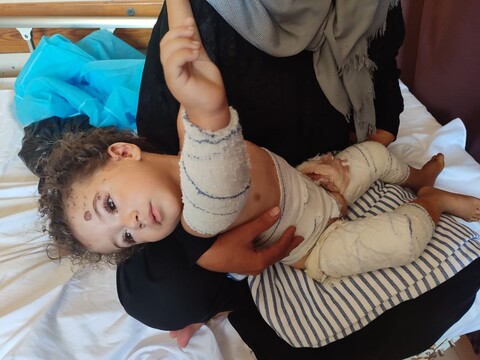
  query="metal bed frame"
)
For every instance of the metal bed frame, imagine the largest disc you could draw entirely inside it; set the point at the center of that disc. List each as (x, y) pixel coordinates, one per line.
(26, 24)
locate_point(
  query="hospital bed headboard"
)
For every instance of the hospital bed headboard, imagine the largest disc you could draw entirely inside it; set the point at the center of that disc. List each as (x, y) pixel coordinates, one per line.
(132, 21)
(440, 61)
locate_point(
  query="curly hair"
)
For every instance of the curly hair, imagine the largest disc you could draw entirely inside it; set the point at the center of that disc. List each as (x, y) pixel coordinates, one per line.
(75, 157)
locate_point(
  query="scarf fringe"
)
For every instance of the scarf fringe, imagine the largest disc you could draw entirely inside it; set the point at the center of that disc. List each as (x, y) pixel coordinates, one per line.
(358, 62)
(335, 62)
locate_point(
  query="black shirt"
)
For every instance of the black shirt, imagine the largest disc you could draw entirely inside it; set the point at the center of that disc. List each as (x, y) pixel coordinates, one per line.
(281, 107)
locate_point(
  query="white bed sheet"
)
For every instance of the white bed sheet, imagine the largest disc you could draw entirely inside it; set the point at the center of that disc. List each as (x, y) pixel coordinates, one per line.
(47, 309)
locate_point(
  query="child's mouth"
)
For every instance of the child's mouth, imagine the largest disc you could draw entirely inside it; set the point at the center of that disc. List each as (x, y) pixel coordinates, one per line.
(155, 215)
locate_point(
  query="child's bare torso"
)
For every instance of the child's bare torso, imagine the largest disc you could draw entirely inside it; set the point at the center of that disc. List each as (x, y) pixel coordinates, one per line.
(265, 190)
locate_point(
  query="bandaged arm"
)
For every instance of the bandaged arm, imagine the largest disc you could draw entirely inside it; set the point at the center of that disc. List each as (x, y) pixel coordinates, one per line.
(214, 176)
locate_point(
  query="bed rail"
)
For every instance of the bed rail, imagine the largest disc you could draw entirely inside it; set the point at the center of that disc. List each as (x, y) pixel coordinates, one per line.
(77, 22)
(25, 24)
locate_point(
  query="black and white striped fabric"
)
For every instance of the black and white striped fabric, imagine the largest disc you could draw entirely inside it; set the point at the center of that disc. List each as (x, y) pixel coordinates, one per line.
(306, 313)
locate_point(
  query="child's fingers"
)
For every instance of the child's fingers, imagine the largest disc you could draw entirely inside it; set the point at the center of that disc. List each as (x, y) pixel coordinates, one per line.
(172, 47)
(182, 56)
(188, 29)
(189, 22)
(184, 31)
(174, 65)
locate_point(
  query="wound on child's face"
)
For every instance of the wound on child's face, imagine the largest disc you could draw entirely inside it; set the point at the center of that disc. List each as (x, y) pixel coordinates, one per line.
(87, 216)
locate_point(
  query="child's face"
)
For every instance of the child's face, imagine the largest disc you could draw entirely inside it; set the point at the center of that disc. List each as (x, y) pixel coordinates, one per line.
(131, 200)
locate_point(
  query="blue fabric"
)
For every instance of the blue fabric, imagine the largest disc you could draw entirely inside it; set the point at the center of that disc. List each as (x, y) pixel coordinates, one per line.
(99, 76)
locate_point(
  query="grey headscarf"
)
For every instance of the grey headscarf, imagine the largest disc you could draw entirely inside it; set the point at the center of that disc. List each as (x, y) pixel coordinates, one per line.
(337, 31)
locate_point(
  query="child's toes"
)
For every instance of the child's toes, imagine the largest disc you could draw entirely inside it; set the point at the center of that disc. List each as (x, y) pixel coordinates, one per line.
(477, 215)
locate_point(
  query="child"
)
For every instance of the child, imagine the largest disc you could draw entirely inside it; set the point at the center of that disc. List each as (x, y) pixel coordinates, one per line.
(109, 195)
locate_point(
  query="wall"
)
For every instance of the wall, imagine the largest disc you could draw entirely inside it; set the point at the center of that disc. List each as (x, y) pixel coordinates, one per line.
(439, 60)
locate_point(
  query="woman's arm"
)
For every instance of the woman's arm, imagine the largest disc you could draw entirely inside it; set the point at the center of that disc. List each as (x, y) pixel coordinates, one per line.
(235, 252)
(388, 98)
(160, 287)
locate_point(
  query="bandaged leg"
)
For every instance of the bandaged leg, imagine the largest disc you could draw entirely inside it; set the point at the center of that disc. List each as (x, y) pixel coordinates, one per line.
(387, 240)
(370, 161)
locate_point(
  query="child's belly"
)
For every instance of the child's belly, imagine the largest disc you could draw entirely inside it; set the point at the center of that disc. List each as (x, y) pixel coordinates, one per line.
(264, 191)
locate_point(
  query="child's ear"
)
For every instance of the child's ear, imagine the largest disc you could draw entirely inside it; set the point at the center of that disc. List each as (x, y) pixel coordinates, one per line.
(121, 150)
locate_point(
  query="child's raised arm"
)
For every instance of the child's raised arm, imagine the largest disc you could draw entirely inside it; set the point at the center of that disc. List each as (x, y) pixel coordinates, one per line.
(191, 76)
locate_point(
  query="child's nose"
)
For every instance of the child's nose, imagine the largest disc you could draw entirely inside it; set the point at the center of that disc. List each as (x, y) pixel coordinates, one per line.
(133, 221)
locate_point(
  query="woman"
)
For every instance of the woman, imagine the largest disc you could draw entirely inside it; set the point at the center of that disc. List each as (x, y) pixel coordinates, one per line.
(167, 284)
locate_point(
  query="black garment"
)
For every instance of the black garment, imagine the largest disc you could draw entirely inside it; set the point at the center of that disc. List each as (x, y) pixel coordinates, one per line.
(405, 330)
(161, 279)
(260, 87)
(162, 287)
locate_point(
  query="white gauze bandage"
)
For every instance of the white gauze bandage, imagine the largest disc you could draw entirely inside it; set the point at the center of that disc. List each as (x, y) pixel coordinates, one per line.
(387, 240)
(214, 176)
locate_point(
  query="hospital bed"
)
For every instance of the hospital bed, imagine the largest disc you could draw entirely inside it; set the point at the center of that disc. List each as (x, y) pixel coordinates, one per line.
(50, 309)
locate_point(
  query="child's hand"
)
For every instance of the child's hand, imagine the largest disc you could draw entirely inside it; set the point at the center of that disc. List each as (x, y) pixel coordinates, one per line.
(193, 78)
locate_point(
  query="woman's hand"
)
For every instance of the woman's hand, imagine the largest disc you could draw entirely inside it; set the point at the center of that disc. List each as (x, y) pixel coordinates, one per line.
(382, 136)
(193, 78)
(234, 250)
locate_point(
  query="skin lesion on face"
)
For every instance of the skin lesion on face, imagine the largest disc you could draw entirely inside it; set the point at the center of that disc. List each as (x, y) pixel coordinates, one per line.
(87, 216)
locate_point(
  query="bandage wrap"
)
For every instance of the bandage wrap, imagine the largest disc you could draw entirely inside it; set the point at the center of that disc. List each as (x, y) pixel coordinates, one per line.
(349, 248)
(214, 176)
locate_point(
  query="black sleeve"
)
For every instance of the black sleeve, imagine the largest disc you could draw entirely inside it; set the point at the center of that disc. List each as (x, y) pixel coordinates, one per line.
(159, 287)
(157, 108)
(383, 51)
(193, 247)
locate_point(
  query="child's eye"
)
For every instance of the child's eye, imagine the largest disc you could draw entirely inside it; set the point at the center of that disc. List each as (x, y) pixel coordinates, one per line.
(109, 205)
(128, 238)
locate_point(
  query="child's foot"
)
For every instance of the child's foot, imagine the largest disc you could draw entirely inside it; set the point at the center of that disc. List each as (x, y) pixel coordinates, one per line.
(427, 175)
(432, 168)
(184, 335)
(463, 206)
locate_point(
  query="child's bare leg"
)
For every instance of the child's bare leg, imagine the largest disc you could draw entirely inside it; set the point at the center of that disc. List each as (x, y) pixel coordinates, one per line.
(425, 176)
(436, 202)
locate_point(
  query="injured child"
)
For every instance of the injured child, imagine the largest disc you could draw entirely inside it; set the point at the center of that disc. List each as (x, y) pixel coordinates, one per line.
(106, 193)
